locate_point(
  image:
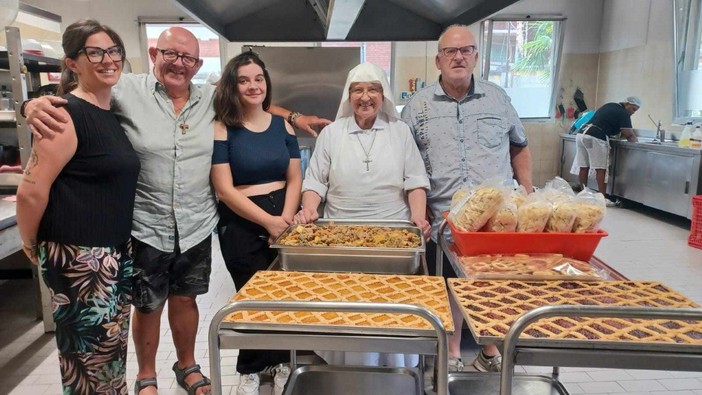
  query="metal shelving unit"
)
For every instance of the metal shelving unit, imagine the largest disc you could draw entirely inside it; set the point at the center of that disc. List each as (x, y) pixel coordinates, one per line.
(24, 73)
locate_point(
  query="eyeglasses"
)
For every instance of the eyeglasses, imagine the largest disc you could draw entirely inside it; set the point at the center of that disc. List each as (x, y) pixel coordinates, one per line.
(170, 56)
(450, 52)
(97, 54)
(371, 91)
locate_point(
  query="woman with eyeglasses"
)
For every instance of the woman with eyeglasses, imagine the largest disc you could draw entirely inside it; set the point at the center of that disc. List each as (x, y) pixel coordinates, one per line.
(257, 177)
(74, 212)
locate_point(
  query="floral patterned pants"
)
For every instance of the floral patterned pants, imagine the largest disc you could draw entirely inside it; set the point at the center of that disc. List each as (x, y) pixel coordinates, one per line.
(91, 293)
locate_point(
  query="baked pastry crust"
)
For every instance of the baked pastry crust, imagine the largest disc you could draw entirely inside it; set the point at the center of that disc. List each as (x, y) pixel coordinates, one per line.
(491, 306)
(425, 291)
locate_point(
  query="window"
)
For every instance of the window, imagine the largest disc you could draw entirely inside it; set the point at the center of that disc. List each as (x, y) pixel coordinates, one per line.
(379, 53)
(522, 56)
(209, 47)
(688, 60)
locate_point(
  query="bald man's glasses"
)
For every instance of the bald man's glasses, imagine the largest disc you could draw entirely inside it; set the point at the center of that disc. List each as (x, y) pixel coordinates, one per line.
(170, 56)
(97, 54)
(450, 52)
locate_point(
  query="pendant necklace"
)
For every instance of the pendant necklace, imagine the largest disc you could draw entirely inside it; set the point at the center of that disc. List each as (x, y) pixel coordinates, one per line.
(367, 160)
(184, 124)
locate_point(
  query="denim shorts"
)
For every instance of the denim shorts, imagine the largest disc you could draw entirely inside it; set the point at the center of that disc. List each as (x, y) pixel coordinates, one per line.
(158, 274)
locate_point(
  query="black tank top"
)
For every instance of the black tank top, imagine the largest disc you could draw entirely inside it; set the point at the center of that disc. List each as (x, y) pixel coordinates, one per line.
(92, 200)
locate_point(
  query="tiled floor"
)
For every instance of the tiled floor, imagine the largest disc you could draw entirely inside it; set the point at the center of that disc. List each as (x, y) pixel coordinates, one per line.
(642, 245)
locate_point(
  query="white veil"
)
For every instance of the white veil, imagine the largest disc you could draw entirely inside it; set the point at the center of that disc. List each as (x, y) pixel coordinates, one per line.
(368, 72)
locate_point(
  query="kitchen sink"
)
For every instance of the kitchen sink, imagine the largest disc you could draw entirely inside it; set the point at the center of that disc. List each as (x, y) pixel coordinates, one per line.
(665, 143)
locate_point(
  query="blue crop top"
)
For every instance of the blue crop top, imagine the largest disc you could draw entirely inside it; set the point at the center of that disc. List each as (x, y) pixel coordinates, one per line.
(257, 158)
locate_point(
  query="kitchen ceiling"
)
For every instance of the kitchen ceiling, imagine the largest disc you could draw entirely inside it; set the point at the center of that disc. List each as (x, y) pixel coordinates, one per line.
(337, 20)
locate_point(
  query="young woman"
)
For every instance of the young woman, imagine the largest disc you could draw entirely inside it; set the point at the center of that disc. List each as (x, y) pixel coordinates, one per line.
(74, 212)
(257, 177)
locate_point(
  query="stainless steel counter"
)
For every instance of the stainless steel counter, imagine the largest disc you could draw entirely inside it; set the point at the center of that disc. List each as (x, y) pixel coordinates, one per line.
(662, 176)
(10, 241)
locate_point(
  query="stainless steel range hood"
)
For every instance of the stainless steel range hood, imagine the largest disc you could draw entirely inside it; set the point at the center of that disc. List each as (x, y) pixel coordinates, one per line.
(337, 20)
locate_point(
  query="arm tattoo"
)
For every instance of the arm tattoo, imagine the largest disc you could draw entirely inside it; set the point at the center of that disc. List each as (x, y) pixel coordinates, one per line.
(33, 162)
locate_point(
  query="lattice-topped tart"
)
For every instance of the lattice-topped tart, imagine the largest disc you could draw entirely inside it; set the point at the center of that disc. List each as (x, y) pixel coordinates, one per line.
(425, 291)
(491, 306)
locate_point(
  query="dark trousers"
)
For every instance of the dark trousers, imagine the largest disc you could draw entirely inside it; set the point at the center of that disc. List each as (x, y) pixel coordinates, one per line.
(448, 271)
(245, 251)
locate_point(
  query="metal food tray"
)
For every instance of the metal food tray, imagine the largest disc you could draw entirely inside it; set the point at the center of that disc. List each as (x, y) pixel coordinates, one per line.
(575, 343)
(353, 259)
(451, 250)
(489, 383)
(455, 259)
(324, 380)
(307, 287)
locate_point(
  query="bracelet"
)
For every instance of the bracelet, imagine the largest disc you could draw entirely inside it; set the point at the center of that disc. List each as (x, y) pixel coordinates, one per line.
(293, 116)
(22, 108)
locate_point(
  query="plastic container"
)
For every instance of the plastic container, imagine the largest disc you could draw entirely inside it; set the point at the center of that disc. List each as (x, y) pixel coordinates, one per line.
(685, 136)
(574, 245)
(695, 239)
(696, 139)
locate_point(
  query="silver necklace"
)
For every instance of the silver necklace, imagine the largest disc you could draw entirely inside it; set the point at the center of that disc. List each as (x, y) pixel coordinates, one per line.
(186, 114)
(367, 160)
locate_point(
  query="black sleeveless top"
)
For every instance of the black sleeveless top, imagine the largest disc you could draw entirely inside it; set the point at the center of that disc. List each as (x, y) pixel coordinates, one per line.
(92, 200)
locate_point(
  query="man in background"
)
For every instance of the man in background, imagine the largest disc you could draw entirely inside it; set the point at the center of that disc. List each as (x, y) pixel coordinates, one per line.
(467, 132)
(592, 145)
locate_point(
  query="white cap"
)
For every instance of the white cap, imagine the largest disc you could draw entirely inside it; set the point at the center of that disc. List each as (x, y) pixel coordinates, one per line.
(633, 100)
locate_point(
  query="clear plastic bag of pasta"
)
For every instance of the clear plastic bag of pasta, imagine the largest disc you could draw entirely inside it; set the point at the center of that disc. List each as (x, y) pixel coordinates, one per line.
(507, 216)
(558, 190)
(590, 211)
(518, 195)
(563, 207)
(534, 213)
(472, 208)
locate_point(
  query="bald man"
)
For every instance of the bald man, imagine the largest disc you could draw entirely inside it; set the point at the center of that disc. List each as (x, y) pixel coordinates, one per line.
(467, 132)
(169, 122)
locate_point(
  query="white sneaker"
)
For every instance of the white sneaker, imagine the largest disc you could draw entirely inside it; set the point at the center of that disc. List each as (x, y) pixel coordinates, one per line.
(612, 203)
(281, 373)
(248, 384)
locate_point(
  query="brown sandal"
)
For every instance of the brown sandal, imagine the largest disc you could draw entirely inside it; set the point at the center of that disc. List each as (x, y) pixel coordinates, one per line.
(143, 383)
(181, 374)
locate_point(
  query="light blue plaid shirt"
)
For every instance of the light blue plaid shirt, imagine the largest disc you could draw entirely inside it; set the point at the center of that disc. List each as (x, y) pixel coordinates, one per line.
(174, 188)
(463, 142)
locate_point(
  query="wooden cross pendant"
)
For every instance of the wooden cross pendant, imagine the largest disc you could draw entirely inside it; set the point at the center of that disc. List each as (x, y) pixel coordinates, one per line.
(367, 161)
(184, 127)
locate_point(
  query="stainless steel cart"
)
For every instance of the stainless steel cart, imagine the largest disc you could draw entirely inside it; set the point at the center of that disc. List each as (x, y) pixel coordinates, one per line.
(571, 352)
(229, 335)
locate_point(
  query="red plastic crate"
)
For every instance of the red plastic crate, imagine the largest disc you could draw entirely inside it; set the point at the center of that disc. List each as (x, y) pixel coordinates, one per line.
(695, 239)
(573, 245)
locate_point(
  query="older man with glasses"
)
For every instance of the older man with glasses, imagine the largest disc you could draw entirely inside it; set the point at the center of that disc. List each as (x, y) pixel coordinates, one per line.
(467, 132)
(170, 123)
